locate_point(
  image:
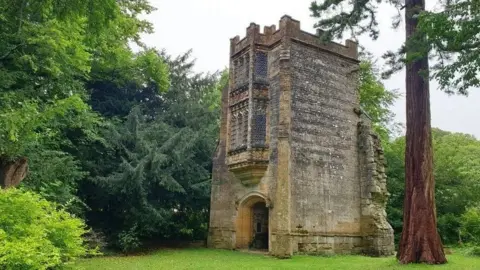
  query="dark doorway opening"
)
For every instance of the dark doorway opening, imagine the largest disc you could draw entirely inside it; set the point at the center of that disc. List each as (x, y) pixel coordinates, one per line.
(260, 226)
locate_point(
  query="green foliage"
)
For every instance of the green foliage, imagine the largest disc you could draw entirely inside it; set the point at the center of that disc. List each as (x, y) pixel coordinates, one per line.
(159, 160)
(128, 240)
(376, 100)
(103, 137)
(359, 18)
(473, 251)
(43, 51)
(470, 226)
(55, 176)
(457, 183)
(395, 157)
(31, 122)
(452, 35)
(47, 50)
(457, 171)
(116, 87)
(50, 53)
(41, 132)
(34, 234)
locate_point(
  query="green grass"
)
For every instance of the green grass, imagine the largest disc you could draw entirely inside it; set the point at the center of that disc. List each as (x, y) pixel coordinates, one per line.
(223, 259)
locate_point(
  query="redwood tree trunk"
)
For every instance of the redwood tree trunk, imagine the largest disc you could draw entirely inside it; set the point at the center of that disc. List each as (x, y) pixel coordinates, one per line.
(420, 241)
(12, 172)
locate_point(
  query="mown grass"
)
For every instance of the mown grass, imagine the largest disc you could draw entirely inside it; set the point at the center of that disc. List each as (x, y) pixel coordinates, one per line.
(223, 259)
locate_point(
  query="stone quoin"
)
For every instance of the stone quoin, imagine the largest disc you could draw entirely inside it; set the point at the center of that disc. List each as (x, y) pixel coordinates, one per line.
(297, 168)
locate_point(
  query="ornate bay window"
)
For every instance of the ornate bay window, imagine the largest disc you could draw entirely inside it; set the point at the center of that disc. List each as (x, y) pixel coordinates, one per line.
(248, 105)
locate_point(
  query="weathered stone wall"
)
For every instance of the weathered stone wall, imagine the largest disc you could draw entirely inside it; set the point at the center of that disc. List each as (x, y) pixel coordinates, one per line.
(273, 118)
(324, 143)
(222, 207)
(327, 244)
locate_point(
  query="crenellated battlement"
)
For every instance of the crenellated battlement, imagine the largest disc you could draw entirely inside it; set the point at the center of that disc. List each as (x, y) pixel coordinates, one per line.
(288, 29)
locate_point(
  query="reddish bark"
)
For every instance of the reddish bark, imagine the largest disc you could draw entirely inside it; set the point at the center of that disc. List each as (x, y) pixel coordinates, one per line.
(12, 172)
(420, 241)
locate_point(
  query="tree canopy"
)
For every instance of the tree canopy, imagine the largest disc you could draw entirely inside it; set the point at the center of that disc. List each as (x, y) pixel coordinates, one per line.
(50, 51)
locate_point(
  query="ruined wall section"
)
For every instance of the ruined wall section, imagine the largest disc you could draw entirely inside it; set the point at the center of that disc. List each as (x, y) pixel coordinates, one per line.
(378, 237)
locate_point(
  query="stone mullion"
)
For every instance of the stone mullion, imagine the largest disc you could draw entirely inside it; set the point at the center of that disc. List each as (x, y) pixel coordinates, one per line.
(250, 97)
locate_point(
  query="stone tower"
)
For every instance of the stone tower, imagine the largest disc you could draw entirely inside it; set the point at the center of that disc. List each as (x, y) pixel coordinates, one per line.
(297, 168)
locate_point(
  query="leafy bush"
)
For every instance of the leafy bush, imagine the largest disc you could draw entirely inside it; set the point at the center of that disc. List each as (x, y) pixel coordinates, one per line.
(96, 240)
(448, 227)
(470, 225)
(34, 234)
(473, 251)
(54, 175)
(128, 240)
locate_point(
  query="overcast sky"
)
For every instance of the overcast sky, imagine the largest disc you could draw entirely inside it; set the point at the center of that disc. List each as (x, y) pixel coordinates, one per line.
(206, 26)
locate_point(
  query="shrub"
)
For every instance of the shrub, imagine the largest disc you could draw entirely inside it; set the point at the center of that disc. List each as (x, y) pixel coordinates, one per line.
(473, 251)
(128, 241)
(34, 234)
(95, 240)
(470, 225)
(448, 227)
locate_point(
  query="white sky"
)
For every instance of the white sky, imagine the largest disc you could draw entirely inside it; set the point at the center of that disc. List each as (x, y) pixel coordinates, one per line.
(206, 26)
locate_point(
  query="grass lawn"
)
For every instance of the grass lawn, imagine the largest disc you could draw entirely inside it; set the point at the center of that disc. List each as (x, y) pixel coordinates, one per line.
(223, 259)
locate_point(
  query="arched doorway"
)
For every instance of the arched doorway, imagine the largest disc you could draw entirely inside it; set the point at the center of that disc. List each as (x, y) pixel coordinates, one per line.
(252, 224)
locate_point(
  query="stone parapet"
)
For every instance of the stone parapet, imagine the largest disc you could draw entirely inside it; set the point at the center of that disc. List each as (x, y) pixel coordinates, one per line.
(290, 28)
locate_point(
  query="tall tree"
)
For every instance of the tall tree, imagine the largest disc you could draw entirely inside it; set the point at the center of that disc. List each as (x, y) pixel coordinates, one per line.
(156, 183)
(420, 241)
